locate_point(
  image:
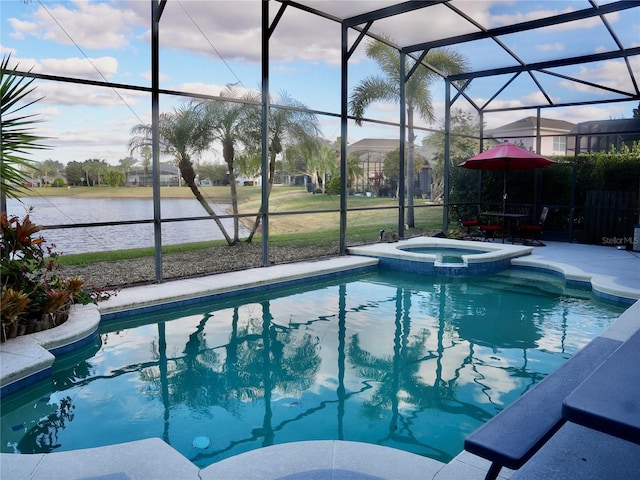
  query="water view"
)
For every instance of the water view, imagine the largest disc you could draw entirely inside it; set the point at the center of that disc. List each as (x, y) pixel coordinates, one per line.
(71, 210)
(389, 358)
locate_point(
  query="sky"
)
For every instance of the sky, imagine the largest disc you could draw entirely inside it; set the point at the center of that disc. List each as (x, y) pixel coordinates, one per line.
(206, 45)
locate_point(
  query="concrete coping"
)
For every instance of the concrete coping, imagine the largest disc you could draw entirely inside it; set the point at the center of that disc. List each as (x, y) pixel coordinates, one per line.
(487, 251)
(572, 274)
(30, 355)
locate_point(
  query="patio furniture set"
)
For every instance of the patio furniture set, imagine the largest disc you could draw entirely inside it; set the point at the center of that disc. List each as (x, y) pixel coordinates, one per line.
(507, 157)
(512, 225)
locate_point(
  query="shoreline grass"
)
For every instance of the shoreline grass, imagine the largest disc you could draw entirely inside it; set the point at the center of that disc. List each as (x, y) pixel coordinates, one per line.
(219, 194)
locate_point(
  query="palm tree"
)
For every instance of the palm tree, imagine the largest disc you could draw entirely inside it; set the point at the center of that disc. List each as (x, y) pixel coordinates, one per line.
(18, 139)
(386, 87)
(183, 133)
(229, 122)
(325, 164)
(354, 169)
(289, 122)
(313, 158)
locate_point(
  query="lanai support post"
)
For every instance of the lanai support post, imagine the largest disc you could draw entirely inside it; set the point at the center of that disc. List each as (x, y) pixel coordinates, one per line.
(405, 174)
(447, 154)
(156, 13)
(344, 100)
(265, 134)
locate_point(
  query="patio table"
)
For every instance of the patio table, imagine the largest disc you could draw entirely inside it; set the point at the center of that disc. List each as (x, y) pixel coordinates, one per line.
(505, 217)
(609, 399)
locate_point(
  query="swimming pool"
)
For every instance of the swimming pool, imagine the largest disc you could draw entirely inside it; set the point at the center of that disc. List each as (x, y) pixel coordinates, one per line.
(400, 360)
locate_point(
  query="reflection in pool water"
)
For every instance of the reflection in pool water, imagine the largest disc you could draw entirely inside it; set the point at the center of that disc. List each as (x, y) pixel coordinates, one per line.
(395, 359)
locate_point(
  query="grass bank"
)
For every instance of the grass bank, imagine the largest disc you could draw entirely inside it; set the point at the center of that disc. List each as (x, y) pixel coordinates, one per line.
(218, 194)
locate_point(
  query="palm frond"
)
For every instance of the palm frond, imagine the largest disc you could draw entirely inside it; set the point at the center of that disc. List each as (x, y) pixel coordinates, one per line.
(371, 89)
(387, 86)
(16, 131)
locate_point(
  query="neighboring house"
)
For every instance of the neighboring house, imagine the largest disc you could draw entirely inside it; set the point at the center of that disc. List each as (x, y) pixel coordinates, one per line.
(244, 181)
(288, 179)
(371, 153)
(604, 135)
(169, 176)
(57, 179)
(553, 133)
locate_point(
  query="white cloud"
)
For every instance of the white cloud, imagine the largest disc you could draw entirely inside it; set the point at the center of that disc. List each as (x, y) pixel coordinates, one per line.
(511, 19)
(549, 47)
(232, 31)
(97, 68)
(7, 51)
(211, 89)
(77, 95)
(22, 29)
(91, 68)
(47, 114)
(201, 88)
(585, 113)
(612, 74)
(536, 98)
(519, 17)
(88, 24)
(147, 76)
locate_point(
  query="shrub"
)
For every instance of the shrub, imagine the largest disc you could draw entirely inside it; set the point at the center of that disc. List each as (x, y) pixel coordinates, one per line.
(333, 185)
(34, 296)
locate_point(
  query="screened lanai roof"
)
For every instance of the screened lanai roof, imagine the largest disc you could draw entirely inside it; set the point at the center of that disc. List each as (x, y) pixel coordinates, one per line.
(520, 46)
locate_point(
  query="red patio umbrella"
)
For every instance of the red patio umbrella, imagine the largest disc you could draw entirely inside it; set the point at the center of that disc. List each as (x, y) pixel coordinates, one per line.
(506, 157)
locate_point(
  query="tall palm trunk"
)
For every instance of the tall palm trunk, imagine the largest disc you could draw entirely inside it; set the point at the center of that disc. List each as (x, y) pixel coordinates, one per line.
(189, 176)
(228, 153)
(272, 170)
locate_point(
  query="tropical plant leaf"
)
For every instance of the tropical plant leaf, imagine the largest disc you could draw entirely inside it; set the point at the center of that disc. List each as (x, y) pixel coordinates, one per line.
(17, 131)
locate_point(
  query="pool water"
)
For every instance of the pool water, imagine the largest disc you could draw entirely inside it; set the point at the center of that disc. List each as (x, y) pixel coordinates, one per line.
(389, 358)
(445, 254)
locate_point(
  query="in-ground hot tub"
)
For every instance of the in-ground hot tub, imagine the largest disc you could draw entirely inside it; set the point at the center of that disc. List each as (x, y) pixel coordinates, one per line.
(445, 255)
(442, 256)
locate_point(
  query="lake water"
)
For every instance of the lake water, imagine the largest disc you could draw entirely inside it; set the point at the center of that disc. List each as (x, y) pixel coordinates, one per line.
(72, 210)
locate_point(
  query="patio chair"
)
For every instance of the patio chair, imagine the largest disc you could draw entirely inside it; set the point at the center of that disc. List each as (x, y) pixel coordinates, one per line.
(514, 223)
(532, 232)
(468, 221)
(469, 225)
(489, 231)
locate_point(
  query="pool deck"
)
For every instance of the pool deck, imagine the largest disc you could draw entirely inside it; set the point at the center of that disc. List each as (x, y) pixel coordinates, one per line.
(612, 273)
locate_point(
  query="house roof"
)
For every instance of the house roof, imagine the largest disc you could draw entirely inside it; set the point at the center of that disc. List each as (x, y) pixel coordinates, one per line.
(529, 123)
(618, 126)
(385, 145)
(165, 168)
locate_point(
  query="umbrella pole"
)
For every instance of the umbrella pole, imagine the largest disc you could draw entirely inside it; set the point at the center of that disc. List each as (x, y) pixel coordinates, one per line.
(504, 192)
(504, 202)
